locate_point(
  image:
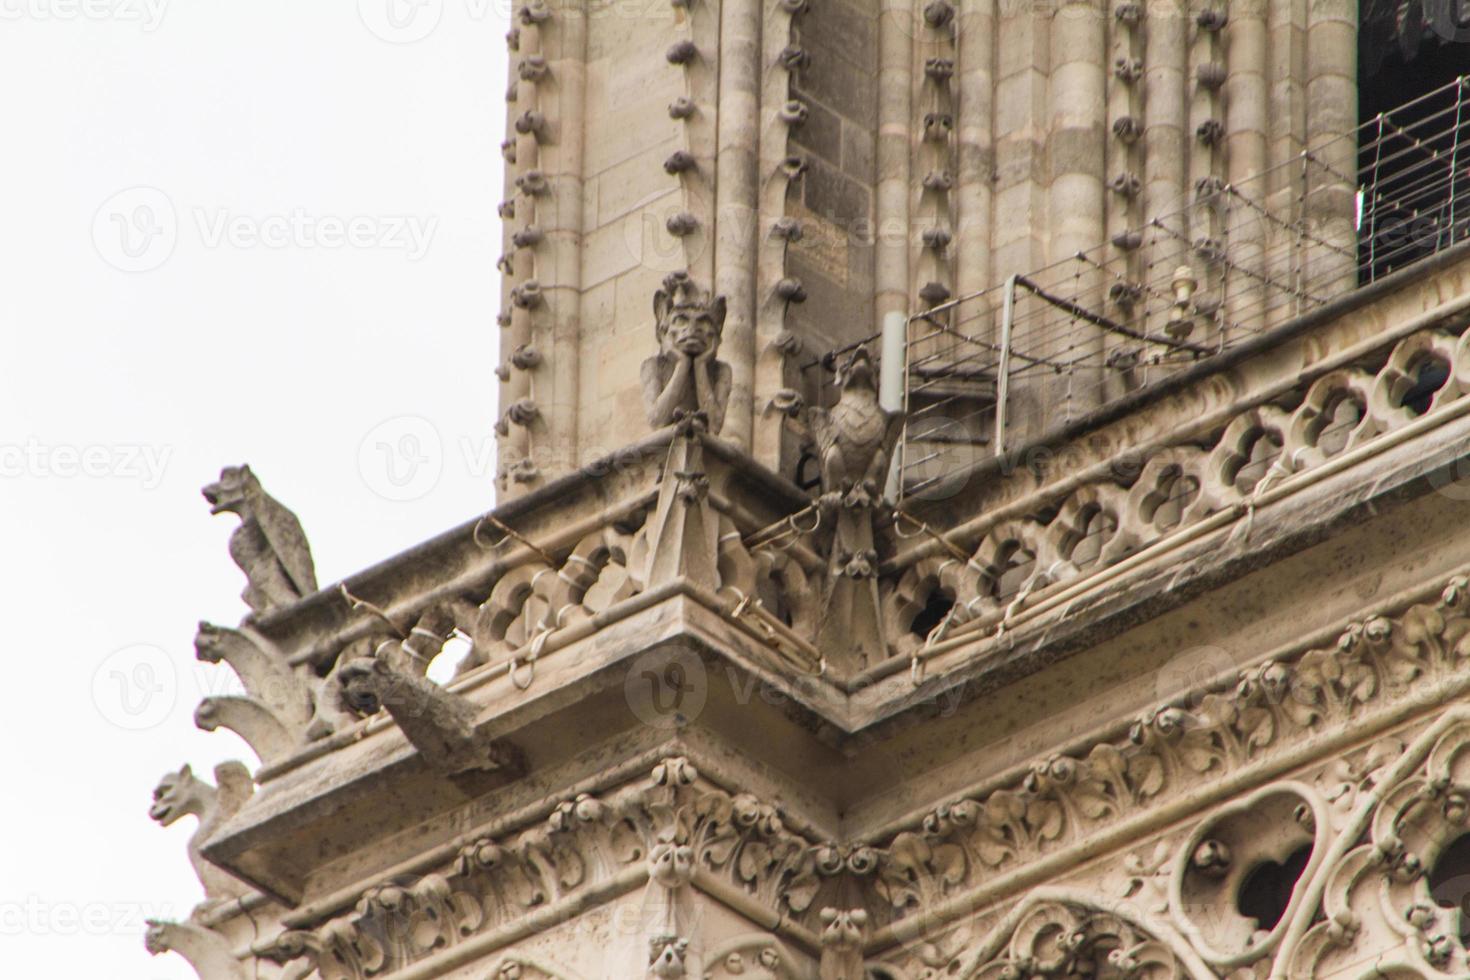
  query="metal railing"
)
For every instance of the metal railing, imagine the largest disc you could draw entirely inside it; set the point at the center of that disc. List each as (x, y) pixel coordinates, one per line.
(1010, 363)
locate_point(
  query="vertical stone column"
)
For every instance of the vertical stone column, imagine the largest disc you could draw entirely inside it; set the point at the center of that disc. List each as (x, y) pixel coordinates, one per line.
(1246, 157)
(520, 413)
(1023, 54)
(895, 118)
(1165, 167)
(933, 197)
(1124, 149)
(777, 169)
(1332, 106)
(736, 199)
(1077, 200)
(557, 380)
(1287, 123)
(507, 452)
(1204, 251)
(974, 197)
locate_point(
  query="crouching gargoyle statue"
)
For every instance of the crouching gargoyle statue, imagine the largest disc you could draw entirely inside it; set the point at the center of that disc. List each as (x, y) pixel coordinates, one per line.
(180, 794)
(684, 378)
(269, 545)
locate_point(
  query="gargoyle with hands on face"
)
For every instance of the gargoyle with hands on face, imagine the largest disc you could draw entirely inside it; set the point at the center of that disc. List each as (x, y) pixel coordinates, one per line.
(684, 378)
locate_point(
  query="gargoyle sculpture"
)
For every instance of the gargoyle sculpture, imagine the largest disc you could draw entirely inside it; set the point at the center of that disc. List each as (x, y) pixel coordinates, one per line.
(273, 714)
(842, 944)
(269, 545)
(181, 794)
(853, 441)
(440, 724)
(855, 438)
(666, 956)
(207, 951)
(684, 378)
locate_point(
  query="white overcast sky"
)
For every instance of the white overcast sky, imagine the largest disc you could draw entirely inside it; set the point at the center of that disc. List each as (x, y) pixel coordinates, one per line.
(309, 213)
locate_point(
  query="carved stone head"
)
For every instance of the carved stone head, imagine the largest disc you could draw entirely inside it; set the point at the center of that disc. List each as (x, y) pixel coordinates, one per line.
(363, 681)
(177, 794)
(155, 940)
(857, 371)
(671, 865)
(688, 321)
(209, 643)
(231, 492)
(666, 956)
(842, 929)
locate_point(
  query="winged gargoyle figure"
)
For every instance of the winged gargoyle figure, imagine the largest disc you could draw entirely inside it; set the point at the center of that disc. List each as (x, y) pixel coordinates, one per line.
(854, 441)
(854, 438)
(269, 545)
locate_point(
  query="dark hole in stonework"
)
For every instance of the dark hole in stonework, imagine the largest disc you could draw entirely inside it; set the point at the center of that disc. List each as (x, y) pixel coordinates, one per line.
(1430, 377)
(1266, 891)
(1449, 882)
(935, 609)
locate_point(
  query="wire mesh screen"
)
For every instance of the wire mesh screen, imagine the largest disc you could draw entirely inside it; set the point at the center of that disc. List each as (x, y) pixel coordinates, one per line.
(992, 370)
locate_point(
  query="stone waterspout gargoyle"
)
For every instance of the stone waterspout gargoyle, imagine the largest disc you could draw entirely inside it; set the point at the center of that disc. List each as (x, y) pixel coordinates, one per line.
(269, 545)
(207, 951)
(854, 442)
(439, 723)
(180, 794)
(685, 378)
(277, 707)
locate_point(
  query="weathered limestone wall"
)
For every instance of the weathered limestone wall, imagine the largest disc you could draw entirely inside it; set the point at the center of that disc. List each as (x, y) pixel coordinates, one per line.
(629, 200)
(834, 198)
(820, 165)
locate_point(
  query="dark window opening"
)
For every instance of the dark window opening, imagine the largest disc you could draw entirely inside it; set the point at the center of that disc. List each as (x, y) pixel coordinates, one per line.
(1449, 881)
(936, 608)
(1430, 376)
(1266, 891)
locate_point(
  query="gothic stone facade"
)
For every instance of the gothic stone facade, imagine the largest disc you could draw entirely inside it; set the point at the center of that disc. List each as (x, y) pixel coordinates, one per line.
(712, 724)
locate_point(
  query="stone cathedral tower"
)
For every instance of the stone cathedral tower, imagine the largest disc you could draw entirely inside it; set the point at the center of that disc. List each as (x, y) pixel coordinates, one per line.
(981, 495)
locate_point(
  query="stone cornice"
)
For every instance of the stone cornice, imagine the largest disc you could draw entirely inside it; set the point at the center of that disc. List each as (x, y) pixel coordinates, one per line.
(1173, 760)
(674, 826)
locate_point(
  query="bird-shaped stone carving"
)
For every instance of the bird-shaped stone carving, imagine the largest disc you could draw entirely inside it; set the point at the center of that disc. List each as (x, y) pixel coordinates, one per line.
(855, 437)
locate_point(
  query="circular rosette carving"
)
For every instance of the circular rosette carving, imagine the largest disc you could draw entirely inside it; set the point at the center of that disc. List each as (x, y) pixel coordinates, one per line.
(1236, 881)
